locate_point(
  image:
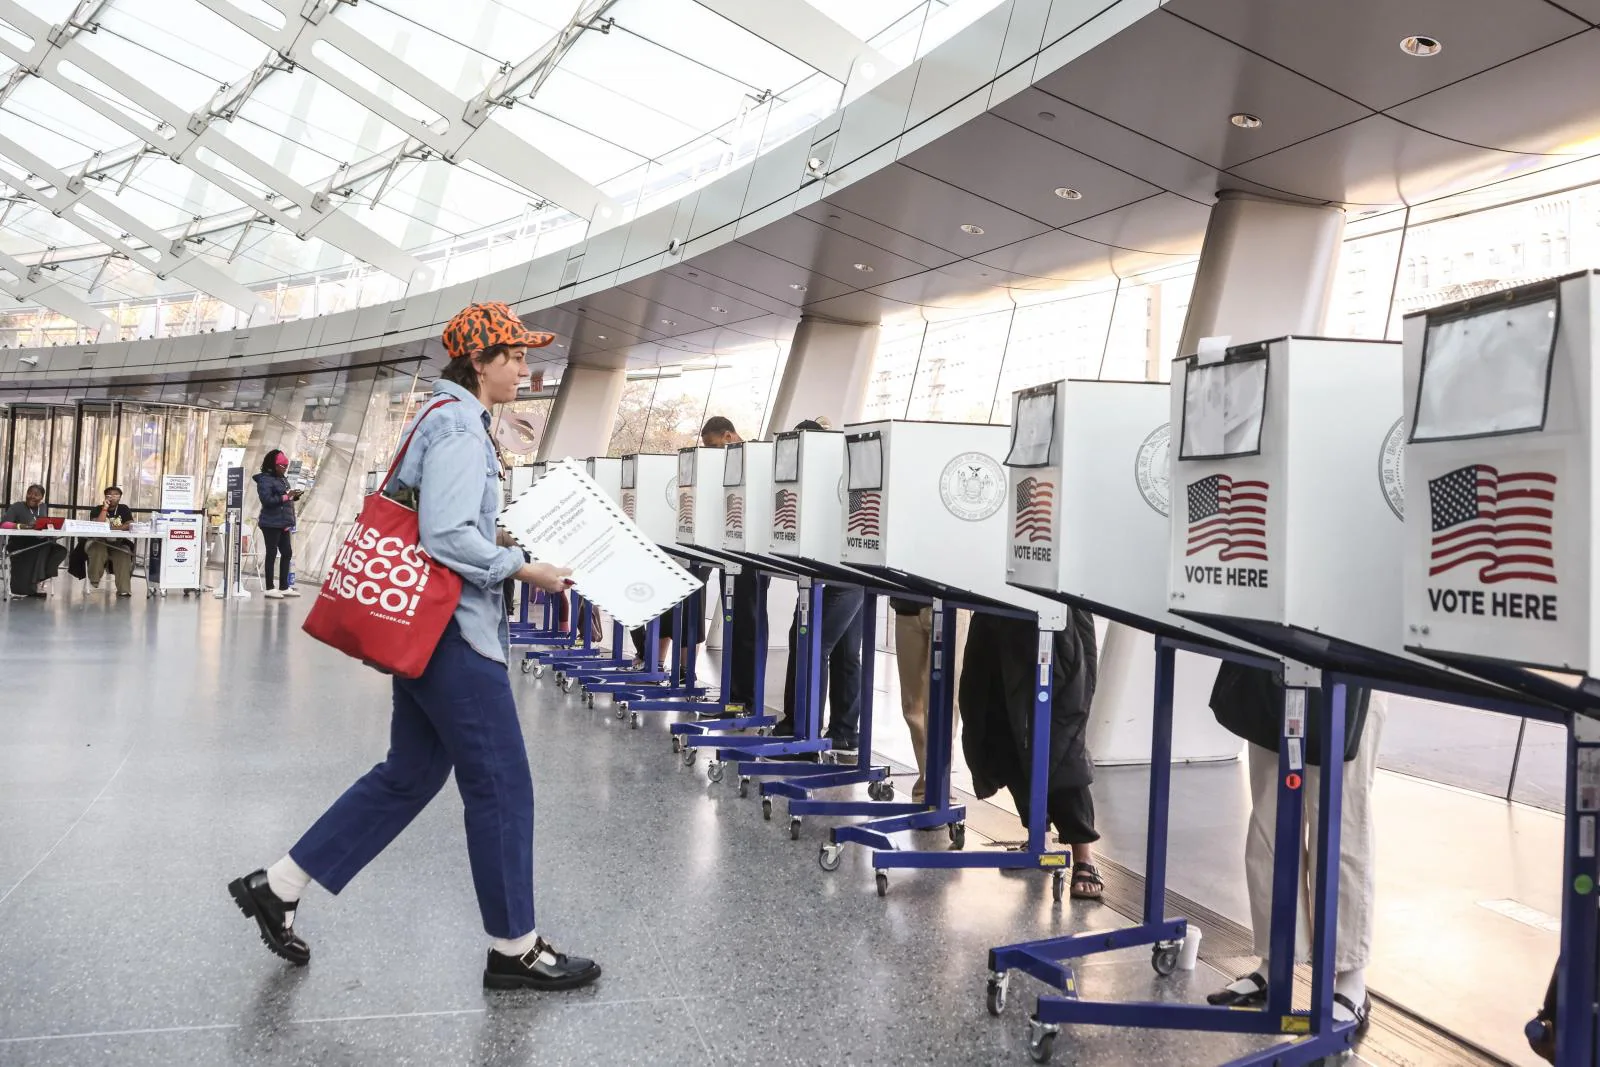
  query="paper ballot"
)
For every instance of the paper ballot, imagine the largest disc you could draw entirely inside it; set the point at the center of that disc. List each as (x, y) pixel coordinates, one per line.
(568, 520)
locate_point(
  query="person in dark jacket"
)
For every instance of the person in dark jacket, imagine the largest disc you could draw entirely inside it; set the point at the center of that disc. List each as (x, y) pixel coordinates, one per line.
(997, 699)
(277, 519)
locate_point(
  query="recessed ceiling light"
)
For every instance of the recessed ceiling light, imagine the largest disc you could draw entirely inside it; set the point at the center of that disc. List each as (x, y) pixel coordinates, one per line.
(865, 268)
(1421, 47)
(976, 231)
(669, 322)
(1048, 116)
(1069, 193)
(719, 310)
(816, 163)
(797, 287)
(600, 337)
(1245, 120)
(694, 274)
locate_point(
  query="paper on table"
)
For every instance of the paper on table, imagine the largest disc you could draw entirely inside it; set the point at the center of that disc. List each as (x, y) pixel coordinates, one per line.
(566, 519)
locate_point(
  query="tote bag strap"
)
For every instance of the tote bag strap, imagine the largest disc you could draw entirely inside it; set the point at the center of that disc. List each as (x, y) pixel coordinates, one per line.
(406, 444)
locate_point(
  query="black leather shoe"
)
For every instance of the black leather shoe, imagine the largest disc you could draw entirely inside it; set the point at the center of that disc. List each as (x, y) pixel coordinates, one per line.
(1363, 1014)
(1228, 998)
(274, 917)
(541, 967)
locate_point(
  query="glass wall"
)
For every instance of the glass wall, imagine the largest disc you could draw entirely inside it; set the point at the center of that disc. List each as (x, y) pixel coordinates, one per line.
(662, 411)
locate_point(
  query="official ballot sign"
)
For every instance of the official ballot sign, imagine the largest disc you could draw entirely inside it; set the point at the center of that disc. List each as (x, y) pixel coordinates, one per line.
(1500, 398)
(649, 485)
(700, 500)
(607, 474)
(1285, 527)
(182, 549)
(1088, 498)
(928, 500)
(808, 494)
(747, 501)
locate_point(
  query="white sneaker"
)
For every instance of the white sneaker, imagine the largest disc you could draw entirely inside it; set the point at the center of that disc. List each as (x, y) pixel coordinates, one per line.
(291, 591)
(273, 594)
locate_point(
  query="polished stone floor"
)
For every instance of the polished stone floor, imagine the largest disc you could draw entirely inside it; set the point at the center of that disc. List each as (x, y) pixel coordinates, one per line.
(151, 750)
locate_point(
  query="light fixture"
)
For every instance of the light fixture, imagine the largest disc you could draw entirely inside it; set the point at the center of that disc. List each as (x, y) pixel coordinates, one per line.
(1244, 120)
(1421, 47)
(864, 268)
(816, 164)
(668, 322)
(1068, 193)
(1048, 116)
(599, 337)
(976, 231)
(719, 310)
(797, 287)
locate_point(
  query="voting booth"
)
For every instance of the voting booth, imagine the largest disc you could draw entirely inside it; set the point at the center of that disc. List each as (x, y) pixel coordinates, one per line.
(925, 508)
(1287, 526)
(700, 498)
(607, 474)
(1500, 457)
(1088, 500)
(807, 495)
(649, 485)
(747, 505)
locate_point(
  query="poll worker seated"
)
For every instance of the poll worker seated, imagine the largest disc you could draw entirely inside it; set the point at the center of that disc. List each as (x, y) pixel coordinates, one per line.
(997, 700)
(1248, 702)
(117, 555)
(33, 559)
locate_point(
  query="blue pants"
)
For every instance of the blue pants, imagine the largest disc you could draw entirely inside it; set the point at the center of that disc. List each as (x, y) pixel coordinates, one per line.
(841, 663)
(459, 714)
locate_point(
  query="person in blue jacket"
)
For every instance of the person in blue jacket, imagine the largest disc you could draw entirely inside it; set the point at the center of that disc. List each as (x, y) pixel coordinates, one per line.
(277, 519)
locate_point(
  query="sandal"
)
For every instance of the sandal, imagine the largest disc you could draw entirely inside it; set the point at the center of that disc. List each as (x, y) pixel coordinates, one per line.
(1233, 998)
(1086, 882)
(1363, 1014)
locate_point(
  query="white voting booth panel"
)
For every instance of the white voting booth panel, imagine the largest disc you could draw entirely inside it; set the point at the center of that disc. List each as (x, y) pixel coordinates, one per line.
(1088, 501)
(928, 499)
(1284, 512)
(807, 494)
(607, 474)
(650, 495)
(521, 480)
(747, 497)
(700, 500)
(1500, 396)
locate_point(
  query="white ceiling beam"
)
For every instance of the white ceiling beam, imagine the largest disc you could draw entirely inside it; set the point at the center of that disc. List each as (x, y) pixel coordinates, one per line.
(802, 31)
(52, 296)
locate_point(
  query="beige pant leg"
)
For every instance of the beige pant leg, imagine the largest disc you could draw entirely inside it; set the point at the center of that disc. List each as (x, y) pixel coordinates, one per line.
(913, 645)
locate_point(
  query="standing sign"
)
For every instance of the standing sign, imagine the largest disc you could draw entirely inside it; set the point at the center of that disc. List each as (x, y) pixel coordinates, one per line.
(182, 550)
(235, 487)
(177, 492)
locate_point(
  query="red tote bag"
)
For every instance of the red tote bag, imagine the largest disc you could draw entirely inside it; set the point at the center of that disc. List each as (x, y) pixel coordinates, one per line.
(385, 601)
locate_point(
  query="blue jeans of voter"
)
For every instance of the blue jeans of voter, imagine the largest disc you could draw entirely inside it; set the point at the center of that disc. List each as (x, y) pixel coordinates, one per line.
(460, 714)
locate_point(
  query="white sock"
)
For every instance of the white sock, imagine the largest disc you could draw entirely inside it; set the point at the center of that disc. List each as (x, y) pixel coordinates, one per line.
(519, 946)
(286, 880)
(1353, 986)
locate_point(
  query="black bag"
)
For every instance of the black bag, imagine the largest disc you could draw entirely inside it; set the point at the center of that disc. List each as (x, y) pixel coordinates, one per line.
(78, 561)
(1248, 703)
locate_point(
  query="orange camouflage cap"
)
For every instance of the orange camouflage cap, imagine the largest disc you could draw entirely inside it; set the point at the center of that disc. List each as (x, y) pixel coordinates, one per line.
(480, 326)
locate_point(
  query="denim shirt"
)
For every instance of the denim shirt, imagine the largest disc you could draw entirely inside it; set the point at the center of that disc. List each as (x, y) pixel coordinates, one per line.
(455, 469)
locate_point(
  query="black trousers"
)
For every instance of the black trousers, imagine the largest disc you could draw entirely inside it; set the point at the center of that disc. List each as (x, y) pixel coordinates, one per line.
(742, 667)
(32, 561)
(279, 551)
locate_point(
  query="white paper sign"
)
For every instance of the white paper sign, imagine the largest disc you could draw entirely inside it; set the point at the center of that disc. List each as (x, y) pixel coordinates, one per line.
(84, 526)
(566, 519)
(177, 492)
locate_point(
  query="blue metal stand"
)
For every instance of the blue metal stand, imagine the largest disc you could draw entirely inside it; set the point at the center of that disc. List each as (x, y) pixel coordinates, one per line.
(689, 736)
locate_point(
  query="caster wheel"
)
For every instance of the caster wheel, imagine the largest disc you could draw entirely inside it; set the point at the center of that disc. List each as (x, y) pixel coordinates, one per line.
(714, 771)
(1058, 886)
(887, 789)
(633, 721)
(567, 683)
(1164, 958)
(688, 756)
(828, 857)
(882, 879)
(538, 670)
(766, 808)
(794, 828)
(588, 698)
(677, 744)
(995, 998)
(1041, 1042)
(527, 666)
(958, 836)
(621, 709)
(744, 787)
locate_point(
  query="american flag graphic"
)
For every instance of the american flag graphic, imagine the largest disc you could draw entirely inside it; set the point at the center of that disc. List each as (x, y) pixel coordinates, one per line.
(1500, 520)
(786, 510)
(686, 508)
(1035, 503)
(1228, 515)
(733, 514)
(864, 507)
(627, 503)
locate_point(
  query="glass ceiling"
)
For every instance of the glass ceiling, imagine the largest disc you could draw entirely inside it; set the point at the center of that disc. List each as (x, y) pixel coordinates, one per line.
(217, 130)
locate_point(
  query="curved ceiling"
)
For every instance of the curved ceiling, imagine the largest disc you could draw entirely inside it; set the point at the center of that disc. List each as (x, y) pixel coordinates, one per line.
(162, 146)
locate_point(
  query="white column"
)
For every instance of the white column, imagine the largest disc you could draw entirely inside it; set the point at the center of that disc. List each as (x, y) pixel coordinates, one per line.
(826, 374)
(583, 413)
(1266, 270)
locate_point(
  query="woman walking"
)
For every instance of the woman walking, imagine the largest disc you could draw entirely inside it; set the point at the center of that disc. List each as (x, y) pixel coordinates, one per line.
(277, 519)
(460, 713)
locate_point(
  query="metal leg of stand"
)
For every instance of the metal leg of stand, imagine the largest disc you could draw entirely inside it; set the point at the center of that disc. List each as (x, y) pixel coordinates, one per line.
(1287, 849)
(1043, 709)
(1155, 848)
(1576, 1040)
(1333, 705)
